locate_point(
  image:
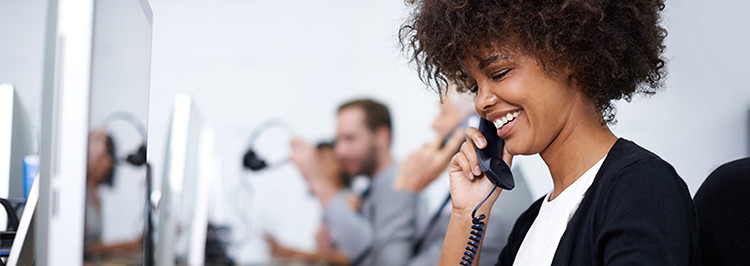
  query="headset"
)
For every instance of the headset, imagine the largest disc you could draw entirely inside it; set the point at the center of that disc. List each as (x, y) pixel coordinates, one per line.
(138, 158)
(251, 160)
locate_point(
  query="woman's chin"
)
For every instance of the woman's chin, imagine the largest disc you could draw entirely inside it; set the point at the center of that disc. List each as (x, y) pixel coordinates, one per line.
(515, 148)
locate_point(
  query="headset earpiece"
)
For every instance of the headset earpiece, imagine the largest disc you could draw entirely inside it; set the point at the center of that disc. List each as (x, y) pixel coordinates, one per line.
(252, 162)
(138, 158)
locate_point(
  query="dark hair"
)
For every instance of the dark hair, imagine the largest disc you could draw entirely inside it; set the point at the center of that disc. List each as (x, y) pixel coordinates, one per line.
(614, 48)
(345, 179)
(376, 114)
(323, 145)
(109, 178)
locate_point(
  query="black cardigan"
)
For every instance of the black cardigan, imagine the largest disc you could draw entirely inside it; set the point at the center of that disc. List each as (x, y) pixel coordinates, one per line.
(638, 211)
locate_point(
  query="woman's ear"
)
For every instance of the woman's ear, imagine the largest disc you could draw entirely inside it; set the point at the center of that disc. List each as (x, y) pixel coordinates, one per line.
(570, 76)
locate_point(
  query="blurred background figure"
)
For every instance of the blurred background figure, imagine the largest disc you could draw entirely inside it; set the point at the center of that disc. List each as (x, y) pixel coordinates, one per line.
(322, 160)
(101, 172)
(721, 204)
(423, 167)
(375, 228)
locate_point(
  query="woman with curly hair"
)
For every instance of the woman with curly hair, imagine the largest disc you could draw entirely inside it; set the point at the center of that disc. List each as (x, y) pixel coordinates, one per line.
(546, 73)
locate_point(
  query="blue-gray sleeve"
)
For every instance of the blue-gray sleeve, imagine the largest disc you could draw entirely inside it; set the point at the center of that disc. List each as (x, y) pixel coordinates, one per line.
(429, 253)
(428, 256)
(395, 227)
(351, 232)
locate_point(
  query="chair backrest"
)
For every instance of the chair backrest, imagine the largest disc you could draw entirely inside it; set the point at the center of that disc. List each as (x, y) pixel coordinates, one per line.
(723, 207)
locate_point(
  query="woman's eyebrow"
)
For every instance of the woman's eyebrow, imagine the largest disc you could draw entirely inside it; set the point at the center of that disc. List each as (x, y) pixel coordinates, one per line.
(487, 61)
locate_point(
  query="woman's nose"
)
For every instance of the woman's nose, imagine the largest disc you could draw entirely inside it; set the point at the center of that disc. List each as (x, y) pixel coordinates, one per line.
(485, 99)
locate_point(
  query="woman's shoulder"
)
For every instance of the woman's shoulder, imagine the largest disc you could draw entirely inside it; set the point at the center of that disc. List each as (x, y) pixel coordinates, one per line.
(627, 162)
(632, 175)
(638, 210)
(626, 152)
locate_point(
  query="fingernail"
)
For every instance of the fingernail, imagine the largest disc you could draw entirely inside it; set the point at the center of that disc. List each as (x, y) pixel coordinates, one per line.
(477, 170)
(481, 142)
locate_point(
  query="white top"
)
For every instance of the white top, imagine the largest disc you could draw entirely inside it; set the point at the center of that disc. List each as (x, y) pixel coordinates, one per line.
(540, 243)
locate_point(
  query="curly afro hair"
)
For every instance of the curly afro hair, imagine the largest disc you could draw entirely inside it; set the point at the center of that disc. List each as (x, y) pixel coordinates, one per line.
(614, 48)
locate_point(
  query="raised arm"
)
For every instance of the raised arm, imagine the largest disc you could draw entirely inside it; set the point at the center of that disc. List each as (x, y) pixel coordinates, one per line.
(469, 187)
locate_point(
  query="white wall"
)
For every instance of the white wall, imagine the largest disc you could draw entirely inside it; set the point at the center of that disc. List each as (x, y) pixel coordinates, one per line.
(22, 26)
(249, 61)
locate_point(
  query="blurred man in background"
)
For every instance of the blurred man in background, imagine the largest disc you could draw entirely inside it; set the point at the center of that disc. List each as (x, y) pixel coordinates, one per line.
(423, 167)
(372, 228)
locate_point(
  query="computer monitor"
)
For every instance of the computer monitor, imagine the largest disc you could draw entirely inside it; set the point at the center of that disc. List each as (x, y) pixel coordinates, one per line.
(22, 251)
(206, 177)
(16, 142)
(97, 61)
(6, 140)
(177, 204)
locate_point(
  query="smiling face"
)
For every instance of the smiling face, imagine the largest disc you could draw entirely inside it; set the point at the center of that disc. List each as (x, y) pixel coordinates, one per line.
(529, 105)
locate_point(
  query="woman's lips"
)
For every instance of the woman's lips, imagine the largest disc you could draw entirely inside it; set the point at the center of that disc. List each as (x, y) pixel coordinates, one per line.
(505, 119)
(506, 123)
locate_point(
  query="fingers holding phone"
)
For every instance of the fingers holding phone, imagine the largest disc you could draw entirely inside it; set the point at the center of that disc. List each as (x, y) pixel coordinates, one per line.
(469, 186)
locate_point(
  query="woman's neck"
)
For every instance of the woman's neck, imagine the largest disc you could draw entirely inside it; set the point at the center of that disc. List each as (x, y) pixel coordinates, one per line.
(580, 145)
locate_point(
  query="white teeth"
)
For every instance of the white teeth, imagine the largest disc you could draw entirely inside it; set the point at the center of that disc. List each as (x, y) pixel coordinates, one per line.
(500, 122)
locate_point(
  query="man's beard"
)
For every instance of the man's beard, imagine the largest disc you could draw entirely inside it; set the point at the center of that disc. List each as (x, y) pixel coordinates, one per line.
(370, 163)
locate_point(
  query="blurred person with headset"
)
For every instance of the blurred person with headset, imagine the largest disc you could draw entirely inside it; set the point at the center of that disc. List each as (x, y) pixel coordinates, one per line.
(326, 164)
(372, 228)
(101, 171)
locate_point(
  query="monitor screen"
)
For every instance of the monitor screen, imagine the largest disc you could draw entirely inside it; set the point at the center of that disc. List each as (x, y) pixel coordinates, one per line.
(94, 114)
(177, 204)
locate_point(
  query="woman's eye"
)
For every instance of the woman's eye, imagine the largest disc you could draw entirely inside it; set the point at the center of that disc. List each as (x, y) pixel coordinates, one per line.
(474, 89)
(501, 75)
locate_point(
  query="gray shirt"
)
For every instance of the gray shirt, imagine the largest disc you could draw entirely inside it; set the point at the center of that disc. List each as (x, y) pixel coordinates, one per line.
(430, 234)
(382, 230)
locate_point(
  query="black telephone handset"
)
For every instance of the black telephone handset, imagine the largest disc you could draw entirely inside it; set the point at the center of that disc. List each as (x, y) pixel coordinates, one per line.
(498, 172)
(490, 158)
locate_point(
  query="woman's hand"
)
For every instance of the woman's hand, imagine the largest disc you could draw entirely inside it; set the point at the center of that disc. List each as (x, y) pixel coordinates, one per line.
(469, 186)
